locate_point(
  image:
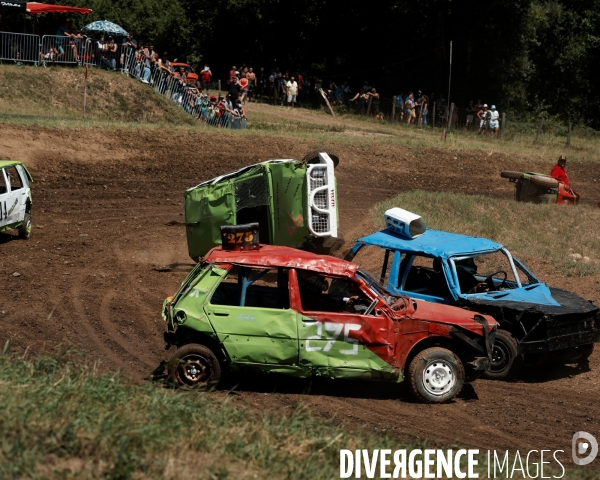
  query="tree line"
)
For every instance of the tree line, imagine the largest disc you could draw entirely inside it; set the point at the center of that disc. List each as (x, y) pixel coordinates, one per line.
(529, 57)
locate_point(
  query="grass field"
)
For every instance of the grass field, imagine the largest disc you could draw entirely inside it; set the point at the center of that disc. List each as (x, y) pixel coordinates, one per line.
(63, 420)
(60, 419)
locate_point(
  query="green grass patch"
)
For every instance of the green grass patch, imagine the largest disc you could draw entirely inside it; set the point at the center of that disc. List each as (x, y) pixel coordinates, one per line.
(550, 232)
(62, 419)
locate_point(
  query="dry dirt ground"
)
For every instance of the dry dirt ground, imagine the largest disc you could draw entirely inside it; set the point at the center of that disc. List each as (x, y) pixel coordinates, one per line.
(92, 274)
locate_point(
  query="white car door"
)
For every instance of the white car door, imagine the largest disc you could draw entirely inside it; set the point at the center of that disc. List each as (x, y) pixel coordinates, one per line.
(14, 207)
(4, 193)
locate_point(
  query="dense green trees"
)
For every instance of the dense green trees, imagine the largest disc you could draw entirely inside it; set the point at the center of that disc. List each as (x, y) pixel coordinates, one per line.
(527, 56)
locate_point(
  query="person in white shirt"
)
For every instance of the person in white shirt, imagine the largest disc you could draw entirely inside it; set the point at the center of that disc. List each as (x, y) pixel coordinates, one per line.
(493, 124)
(291, 91)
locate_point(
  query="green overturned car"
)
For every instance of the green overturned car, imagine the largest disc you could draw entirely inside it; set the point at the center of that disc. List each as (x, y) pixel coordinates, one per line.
(294, 202)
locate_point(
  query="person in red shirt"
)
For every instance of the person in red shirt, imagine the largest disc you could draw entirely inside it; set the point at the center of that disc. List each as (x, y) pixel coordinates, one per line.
(559, 171)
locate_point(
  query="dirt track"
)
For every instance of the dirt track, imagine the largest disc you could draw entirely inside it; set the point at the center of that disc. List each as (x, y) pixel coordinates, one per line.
(91, 274)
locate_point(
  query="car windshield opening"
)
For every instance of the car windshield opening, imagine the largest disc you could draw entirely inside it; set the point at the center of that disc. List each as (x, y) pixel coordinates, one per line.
(488, 272)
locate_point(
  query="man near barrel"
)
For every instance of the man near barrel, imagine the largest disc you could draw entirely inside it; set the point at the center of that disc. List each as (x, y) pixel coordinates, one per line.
(559, 172)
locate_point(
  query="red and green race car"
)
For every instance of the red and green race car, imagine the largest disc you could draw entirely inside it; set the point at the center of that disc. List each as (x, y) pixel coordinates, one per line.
(276, 309)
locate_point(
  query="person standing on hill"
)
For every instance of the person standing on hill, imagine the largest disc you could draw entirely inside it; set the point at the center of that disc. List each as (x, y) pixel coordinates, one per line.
(493, 123)
(409, 105)
(470, 115)
(205, 76)
(291, 91)
(483, 116)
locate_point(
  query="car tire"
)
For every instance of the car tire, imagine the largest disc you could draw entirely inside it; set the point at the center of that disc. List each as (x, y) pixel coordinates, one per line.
(584, 353)
(511, 175)
(547, 182)
(25, 228)
(506, 360)
(194, 366)
(315, 154)
(435, 375)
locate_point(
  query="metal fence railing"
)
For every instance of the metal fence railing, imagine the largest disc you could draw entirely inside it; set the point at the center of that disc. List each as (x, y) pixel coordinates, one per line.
(187, 96)
(19, 47)
(61, 49)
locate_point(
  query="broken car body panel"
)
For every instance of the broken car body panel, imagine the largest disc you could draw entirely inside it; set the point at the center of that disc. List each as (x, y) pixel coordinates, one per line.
(293, 202)
(15, 194)
(263, 310)
(543, 319)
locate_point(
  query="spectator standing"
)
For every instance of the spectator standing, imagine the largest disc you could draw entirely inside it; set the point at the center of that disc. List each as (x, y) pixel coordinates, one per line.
(260, 84)
(374, 100)
(61, 33)
(409, 107)
(232, 75)
(251, 77)
(425, 110)
(483, 117)
(317, 92)
(291, 91)
(419, 107)
(205, 77)
(150, 63)
(128, 48)
(244, 88)
(470, 115)
(493, 123)
(111, 54)
(399, 106)
(234, 90)
(283, 87)
(271, 85)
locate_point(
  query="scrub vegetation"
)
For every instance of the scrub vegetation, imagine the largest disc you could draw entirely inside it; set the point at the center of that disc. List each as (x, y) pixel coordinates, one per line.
(39, 95)
(568, 236)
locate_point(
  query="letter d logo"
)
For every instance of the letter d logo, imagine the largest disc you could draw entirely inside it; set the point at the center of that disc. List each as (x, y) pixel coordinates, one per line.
(583, 447)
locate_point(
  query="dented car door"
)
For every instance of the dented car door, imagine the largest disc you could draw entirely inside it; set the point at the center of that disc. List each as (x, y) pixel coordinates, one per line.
(341, 336)
(251, 315)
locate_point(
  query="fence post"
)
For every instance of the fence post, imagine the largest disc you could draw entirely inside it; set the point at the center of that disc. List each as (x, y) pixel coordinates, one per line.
(503, 124)
(433, 117)
(327, 101)
(219, 88)
(369, 105)
(393, 108)
(85, 89)
(569, 135)
(450, 113)
(537, 135)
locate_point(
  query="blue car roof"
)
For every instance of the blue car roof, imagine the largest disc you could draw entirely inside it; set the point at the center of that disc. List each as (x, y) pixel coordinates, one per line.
(433, 242)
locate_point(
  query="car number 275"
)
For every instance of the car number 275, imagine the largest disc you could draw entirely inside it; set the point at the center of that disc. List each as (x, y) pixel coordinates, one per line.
(330, 332)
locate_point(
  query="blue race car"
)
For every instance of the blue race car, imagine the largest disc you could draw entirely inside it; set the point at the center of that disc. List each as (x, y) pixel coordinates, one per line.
(537, 323)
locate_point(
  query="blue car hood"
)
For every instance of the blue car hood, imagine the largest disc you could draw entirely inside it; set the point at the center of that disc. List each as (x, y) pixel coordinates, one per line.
(536, 294)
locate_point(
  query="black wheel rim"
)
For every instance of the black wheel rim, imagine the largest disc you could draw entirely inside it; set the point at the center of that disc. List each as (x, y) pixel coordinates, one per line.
(500, 357)
(194, 370)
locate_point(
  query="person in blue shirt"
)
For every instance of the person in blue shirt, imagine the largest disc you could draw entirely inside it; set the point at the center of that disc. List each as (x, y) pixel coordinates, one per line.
(399, 104)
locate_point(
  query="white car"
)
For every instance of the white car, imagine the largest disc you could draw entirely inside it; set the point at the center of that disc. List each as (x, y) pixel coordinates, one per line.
(15, 198)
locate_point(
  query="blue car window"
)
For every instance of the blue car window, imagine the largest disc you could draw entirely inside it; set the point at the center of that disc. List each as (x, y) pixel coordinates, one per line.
(424, 276)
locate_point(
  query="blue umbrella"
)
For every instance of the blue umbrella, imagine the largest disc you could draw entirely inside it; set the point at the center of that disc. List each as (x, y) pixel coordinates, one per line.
(105, 27)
